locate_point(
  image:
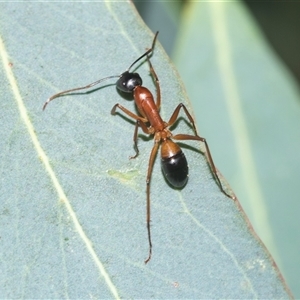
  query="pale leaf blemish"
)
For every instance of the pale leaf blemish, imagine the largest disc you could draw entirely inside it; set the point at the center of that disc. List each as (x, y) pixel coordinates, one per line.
(260, 263)
(124, 176)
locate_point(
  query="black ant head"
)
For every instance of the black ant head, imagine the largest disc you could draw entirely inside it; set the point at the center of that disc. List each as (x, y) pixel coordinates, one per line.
(128, 81)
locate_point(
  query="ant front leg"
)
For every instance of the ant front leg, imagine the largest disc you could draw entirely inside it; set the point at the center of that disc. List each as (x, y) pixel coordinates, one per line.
(135, 136)
(140, 121)
(127, 112)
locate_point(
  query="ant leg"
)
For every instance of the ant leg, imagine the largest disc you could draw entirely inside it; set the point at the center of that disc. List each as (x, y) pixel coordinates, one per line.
(135, 136)
(148, 179)
(197, 138)
(208, 158)
(139, 122)
(127, 112)
(149, 173)
(157, 85)
(175, 116)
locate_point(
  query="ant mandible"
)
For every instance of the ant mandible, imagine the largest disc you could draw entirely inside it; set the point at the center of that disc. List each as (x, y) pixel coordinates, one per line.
(173, 161)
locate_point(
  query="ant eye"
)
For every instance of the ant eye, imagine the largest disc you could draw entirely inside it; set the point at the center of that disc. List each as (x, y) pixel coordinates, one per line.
(128, 81)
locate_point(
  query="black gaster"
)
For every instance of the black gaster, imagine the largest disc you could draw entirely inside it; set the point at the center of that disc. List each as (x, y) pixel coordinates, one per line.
(176, 169)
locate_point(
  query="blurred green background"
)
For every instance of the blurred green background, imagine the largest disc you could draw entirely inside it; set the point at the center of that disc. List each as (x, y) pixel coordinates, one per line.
(249, 53)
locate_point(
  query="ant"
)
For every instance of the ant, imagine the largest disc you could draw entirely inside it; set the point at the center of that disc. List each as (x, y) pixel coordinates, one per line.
(173, 161)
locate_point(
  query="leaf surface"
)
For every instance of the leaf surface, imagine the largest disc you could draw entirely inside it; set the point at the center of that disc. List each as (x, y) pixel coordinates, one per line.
(73, 204)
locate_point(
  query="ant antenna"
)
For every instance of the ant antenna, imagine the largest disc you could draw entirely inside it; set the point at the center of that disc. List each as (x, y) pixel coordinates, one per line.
(76, 89)
(98, 81)
(147, 52)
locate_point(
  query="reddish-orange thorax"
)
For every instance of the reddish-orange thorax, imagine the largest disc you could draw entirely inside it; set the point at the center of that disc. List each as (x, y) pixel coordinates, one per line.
(147, 108)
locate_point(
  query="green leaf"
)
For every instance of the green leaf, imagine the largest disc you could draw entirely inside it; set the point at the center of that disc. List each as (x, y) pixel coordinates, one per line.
(73, 204)
(247, 106)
